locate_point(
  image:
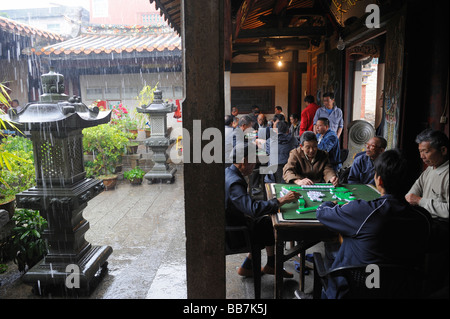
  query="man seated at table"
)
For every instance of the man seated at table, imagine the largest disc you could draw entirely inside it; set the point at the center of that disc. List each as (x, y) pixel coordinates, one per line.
(431, 191)
(329, 142)
(385, 230)
(237, 136)
(278, 148)
(242, 210)
(229, 128)
(308, 165)
(362, 169)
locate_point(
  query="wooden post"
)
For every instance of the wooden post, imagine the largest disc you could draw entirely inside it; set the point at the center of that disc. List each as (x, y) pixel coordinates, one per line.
(204, 184)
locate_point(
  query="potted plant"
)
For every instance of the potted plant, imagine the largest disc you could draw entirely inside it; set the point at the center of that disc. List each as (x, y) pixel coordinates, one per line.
(26, 245)
(108, 144)
(134, 175)
(131, 126)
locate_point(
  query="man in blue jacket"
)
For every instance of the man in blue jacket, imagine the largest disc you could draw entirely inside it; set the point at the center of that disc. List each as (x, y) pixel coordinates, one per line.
(386, 230)
(362, 169)
(328, 142)
(278, 148)
(242, 210)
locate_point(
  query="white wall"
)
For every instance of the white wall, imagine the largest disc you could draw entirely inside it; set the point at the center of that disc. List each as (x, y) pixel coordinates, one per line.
(278, 79)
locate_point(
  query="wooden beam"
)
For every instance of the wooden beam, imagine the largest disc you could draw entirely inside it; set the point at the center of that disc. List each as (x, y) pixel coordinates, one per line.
(258, 67)
(242, 14)
(280, 5)
(283, 32)
(302, 44)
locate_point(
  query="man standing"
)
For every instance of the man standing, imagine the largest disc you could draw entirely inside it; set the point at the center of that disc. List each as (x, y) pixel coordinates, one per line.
(362, 169)
(308, 165)
(332, 112)
(307, 115)
(329, 142)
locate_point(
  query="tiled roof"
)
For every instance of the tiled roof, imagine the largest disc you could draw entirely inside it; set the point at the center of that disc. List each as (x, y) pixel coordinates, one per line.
(12, 26)
(96, 43)
(171, 11)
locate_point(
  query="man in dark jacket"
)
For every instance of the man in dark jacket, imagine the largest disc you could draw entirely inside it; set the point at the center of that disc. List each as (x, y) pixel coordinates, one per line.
(328, 142)
(278, 148)
(386, 230)
(242, 210)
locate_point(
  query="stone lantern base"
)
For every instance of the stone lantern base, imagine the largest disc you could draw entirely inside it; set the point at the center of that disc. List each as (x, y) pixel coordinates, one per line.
(160, 171)
(71, 262)
(80, 277)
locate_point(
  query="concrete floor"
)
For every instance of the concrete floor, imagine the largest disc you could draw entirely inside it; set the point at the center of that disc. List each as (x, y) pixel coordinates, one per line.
(145, 227)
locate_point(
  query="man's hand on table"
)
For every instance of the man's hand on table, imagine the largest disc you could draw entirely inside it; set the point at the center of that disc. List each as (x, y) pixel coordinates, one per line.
(335, 181)
(290, 197)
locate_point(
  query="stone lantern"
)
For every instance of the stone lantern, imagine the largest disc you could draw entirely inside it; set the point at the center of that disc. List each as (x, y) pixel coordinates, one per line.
(159, 141)
(62, 190)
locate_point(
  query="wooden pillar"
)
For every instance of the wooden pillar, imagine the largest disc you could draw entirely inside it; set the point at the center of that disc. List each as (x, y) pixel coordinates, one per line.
(203, 44)
(294, 86)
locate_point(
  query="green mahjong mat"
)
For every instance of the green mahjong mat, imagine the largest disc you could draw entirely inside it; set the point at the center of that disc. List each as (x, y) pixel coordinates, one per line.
(305, 208)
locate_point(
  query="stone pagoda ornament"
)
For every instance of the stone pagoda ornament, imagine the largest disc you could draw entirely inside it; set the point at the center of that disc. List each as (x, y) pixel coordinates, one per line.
(62, 190)
(159, 142)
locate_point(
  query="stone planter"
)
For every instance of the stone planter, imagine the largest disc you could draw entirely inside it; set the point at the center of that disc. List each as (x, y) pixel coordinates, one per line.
(9, 206)
(132, 148)
(109, 181)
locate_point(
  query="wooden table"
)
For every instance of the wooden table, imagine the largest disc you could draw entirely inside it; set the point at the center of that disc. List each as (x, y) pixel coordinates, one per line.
(305, 233)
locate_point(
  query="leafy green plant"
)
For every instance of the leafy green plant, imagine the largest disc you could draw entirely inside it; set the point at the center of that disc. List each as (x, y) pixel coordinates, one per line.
(135, 173)
(129, 123)
(5, 155)
(20, 174)
(107, 142)
(146, 95)
(4, 96)
(26, 245)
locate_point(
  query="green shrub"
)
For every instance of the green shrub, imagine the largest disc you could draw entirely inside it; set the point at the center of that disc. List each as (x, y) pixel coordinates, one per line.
(26, 246)
(107, 142)
(135, 173)
(19, 175)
